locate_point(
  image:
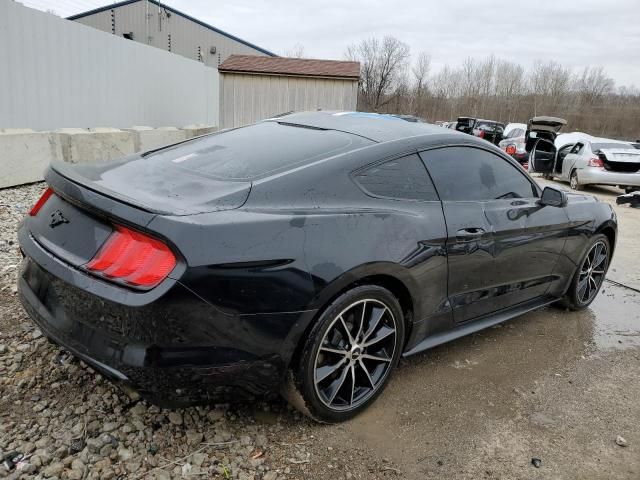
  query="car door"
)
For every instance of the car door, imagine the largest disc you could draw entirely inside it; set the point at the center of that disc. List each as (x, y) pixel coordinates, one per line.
(542, 157)
(572, 160)
(558, 169)
(501, 245)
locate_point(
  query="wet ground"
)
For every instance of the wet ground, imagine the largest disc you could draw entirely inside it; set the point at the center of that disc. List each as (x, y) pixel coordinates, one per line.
(553, 385)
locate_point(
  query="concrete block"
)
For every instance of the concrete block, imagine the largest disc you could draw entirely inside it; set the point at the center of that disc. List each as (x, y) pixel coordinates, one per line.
(147, 138)
(25, 154)
(81, 145)
(198, 129)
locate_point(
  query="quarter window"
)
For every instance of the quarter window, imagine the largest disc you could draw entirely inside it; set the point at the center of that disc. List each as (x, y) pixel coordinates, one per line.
(403, 178)
(473, 174)
(577, 148)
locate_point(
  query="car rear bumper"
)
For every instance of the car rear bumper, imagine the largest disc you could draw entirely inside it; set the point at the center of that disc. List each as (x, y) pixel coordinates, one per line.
(175, 351)
(521, 157)
(600, 176)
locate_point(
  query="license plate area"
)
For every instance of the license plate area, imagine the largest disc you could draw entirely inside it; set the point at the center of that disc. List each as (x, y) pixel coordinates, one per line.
(67, 231)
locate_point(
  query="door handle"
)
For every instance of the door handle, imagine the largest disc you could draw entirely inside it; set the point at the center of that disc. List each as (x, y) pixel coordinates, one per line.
(470, 233)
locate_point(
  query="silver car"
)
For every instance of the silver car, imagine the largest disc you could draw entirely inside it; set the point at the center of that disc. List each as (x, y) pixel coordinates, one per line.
(593, 161)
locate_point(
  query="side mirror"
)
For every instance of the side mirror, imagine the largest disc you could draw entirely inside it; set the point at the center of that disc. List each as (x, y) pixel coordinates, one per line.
(553, 197)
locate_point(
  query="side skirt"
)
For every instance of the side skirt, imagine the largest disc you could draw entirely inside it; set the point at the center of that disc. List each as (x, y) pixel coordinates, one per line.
(480, 324)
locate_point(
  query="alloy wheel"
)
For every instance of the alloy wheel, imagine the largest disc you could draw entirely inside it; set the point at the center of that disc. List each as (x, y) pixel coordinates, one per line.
(355, 354)
(592, 272)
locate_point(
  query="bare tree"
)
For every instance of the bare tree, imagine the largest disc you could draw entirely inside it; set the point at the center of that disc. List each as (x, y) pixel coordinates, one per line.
(593, 84)
(420, 72)
(495, 89)
(297, 51)
(509, 86)
(549, 83)
(382, 64)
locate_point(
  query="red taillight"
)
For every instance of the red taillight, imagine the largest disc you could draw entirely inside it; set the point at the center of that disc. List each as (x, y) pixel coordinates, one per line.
(41, 201)
(595, 162)
(132, 258)
(481, 134)
(511, 149)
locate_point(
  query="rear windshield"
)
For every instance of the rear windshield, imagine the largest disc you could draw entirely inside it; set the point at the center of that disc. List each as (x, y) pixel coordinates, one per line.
(255, 151)
(596, 147)
(490, 126)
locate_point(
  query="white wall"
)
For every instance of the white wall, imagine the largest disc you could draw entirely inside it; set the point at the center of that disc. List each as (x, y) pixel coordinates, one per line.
(56, 73)
(248, 98)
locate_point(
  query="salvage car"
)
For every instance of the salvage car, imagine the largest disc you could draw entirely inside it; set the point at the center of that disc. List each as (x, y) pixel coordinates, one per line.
(513, 143)
(489, 130)
(592, 161)
(304, 254)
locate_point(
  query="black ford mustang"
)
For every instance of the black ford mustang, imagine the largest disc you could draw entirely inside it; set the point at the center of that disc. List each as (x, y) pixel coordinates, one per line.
(305, 253)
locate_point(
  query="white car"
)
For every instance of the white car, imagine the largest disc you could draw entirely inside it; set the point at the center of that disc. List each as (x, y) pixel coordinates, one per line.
(589, 161)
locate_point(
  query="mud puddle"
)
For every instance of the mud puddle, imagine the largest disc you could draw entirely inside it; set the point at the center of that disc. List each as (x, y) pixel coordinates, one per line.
(616, 317)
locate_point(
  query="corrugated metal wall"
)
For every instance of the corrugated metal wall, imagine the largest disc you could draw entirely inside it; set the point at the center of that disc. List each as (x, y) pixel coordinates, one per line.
(56, 73)
(246, 99)
(168, 32)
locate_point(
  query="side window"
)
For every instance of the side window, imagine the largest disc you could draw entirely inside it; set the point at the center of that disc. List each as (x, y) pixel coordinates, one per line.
(403, 178)
(473, 174)
(564, 151)
(577, 148)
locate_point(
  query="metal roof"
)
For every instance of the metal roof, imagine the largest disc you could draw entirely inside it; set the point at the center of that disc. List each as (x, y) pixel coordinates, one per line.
(290, 66)
(172, 10)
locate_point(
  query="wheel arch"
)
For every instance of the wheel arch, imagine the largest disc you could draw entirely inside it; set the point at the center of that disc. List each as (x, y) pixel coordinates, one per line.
(389, 276)
(608, 229)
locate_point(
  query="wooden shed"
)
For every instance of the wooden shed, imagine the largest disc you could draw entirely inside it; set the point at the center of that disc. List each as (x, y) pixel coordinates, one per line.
(253, 88)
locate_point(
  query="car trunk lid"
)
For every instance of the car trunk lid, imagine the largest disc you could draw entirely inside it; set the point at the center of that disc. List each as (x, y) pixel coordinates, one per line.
(158, 187)
(542, 127)
(624, 160)
(68, 231)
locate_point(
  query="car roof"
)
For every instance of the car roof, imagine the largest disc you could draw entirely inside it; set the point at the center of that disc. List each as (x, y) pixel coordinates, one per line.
(373, 126)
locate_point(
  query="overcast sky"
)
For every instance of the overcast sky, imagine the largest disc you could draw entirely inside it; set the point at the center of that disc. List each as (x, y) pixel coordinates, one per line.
(575, 33)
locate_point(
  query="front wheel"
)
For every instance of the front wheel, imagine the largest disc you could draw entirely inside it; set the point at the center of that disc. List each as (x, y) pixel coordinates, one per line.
(590, 274)
(349, 355)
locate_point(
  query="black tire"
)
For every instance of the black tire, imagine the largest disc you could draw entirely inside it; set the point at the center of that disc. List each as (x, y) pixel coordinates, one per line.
(575, 299)
(365, 366)
(574, 183)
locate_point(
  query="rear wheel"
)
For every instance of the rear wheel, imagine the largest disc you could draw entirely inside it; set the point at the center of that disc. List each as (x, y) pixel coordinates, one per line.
(574, 182)
(590, 274)
(349, 355)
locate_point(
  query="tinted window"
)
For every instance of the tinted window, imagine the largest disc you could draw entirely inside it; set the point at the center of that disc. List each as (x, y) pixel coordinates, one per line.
(255, 151)
(465, 173)
(404, 178)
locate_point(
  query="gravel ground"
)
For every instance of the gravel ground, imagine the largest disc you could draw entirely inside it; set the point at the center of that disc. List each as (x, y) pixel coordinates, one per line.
(69, 422)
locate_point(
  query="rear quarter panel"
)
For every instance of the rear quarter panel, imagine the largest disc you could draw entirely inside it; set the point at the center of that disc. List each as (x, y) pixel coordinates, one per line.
(306, 235)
